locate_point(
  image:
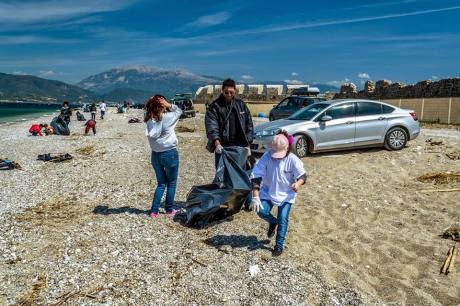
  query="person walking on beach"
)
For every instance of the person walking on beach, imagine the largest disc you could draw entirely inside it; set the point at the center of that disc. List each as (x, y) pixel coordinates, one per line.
(228, 122)
(93, 111)
(66, 112)
(276, 179)
(102, 107)
(160, 133)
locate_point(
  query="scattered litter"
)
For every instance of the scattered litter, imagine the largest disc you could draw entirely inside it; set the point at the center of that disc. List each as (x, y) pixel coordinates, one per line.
(134, 120)
(433, 143)
(6, 164)
(254, 270)
(440, 177)
(54, 157)
(452, 232)
(453, 155)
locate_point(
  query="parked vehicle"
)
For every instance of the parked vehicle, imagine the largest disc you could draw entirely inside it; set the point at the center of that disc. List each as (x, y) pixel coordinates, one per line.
(342, 124)
(185, 102)
(290, 105)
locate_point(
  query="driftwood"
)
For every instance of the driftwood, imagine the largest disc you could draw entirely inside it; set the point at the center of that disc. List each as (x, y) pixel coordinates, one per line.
(440, 190)
(447, 261)
(452, 259)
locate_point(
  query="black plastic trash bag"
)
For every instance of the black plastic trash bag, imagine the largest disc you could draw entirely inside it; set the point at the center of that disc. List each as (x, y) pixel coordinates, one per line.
(60, 127)
(225, 196)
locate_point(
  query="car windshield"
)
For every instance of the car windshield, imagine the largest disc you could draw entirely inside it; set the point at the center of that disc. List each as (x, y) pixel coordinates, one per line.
(309, 112)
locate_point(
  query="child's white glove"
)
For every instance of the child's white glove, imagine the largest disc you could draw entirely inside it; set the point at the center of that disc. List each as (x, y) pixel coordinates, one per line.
(256, 204)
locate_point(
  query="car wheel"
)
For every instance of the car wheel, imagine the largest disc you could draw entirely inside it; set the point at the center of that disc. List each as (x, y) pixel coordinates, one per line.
(395, 139)
(271, 117)
(300, 146)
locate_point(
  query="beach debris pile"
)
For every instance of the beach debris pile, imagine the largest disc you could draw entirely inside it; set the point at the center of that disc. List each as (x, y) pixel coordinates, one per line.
(432, 142)
(454, 155)
(452, 232)
(440, 177)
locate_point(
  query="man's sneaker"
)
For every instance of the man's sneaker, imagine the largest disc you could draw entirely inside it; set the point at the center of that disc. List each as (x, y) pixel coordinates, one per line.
(153, 215)
(172, 213)
(271, 230)
(277, 252)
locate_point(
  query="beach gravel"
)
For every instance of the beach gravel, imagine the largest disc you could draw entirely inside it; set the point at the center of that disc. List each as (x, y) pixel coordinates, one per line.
(77, 232)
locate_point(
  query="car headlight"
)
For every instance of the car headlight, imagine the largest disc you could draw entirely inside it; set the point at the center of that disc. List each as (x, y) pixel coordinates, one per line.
(266, 132)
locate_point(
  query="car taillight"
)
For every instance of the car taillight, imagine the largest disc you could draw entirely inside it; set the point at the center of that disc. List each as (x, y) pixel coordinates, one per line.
(414, 116)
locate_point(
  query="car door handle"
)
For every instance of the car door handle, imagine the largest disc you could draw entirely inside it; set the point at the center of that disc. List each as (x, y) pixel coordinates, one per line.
(382, 118)
(349, 122)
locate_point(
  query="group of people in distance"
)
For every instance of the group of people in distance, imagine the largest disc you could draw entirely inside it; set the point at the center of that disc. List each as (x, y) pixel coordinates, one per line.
(275, 179)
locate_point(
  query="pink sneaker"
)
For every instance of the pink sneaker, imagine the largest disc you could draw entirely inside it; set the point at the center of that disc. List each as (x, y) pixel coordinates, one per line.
(153, 215)
(172, 213)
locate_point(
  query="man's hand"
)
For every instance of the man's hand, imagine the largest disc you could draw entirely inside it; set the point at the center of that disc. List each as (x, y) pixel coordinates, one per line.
(256, 204)
(219, 147)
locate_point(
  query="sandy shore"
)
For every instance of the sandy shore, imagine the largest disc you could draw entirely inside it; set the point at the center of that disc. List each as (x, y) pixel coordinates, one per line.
(363, 230)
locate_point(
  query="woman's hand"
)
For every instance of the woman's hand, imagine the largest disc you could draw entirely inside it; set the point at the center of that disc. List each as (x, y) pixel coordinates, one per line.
(165, 103)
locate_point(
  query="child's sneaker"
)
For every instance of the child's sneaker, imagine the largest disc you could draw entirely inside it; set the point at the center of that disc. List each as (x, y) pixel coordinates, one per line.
(172, 213)
(153, 215)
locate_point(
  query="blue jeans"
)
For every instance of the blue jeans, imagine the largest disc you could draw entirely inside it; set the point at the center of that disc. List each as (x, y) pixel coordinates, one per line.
(282, 220)
(166, 166)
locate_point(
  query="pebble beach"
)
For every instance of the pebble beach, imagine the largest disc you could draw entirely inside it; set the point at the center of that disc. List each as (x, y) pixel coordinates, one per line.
(365, 230)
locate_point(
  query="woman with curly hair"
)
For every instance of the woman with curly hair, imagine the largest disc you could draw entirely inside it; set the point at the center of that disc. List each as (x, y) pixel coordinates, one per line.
(160, 126)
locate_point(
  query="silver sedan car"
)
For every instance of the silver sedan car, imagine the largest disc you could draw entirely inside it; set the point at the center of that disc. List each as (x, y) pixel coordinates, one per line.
(342, 124)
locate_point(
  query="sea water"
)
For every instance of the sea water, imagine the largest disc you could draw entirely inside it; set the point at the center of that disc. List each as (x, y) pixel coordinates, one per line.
(12, 113)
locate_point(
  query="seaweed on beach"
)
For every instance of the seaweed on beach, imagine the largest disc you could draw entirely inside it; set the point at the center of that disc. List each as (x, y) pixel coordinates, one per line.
(184, 129)
(439, 178)
(32, 297)
(86, 150)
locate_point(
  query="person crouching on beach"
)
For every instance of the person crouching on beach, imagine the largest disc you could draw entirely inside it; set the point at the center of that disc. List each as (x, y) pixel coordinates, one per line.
(36, 129)
(90, 124)
(160, 133)
(276, 179)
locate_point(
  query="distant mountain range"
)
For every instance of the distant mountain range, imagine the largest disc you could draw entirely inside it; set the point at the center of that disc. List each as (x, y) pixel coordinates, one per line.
(134, 83)
(146, 79)
(34, 89)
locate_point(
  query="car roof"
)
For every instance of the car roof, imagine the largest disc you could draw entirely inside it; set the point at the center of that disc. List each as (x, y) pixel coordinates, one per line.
(351, 100)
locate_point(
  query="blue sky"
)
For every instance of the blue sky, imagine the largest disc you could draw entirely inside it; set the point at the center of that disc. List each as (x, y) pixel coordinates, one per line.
(298, 41)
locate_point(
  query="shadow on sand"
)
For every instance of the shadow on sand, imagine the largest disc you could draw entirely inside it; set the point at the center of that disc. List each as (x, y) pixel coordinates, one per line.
(237, 241)
(105, 210)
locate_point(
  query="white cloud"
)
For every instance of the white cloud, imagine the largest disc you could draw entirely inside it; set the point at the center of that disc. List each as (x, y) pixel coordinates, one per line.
(32, 39)
(364, 75)
(294, 82)
(247, 77)
(434, 78)
(210, 20)
(22, 12)
(338, 83)
(294, 74)
(19, 72)
(47, 73)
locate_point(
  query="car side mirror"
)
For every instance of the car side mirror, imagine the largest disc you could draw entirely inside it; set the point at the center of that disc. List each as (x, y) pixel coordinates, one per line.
(326, 118)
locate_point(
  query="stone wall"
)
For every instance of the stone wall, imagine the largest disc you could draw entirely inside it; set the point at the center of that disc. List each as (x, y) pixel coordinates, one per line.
(385, 89)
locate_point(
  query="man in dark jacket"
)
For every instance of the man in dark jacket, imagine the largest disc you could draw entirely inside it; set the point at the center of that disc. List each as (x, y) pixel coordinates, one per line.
(228, 120)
